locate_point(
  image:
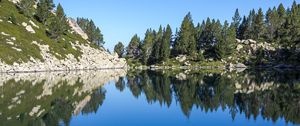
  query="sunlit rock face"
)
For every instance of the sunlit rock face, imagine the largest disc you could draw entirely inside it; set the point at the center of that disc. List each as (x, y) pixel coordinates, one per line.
(34, 95)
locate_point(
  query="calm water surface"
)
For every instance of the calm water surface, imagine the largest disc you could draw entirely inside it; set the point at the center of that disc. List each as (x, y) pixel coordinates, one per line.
(151, 98)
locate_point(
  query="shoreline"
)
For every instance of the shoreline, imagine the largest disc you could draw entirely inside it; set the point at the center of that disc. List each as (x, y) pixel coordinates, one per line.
(69, 70)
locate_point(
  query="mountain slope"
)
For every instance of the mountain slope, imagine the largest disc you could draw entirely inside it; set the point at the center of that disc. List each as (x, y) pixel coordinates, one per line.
(25, 46)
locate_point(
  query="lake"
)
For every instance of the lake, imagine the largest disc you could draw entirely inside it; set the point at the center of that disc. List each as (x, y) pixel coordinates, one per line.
(263, 97)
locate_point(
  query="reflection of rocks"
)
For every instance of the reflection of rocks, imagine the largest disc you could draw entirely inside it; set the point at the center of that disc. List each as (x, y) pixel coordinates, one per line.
(90, 79)
(81, 105)
(247, 86)
(32, 94)
(181, 76)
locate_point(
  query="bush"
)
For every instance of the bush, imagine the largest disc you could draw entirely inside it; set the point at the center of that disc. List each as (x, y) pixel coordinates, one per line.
(13, 18)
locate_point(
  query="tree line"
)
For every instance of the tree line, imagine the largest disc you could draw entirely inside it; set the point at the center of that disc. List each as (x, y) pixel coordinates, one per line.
(93, 32)
(56, 21)
(212, 39)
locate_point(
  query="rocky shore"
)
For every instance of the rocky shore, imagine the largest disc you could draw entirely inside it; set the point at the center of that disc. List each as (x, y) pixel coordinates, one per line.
(91, 59)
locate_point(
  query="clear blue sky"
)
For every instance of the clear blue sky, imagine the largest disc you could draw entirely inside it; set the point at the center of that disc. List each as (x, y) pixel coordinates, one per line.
(119, 20)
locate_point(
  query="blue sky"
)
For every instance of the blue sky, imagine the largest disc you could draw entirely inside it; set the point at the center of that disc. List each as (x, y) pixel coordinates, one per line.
(119, 20)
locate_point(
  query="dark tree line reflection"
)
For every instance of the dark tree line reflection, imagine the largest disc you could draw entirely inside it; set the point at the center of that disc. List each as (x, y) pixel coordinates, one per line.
(271, 94)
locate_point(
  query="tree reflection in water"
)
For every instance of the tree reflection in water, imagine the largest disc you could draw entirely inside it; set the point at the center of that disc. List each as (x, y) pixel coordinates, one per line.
(271, 94)
(54, 100)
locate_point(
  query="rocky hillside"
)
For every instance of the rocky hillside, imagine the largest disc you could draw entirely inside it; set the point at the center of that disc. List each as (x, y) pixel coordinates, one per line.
(25, 46)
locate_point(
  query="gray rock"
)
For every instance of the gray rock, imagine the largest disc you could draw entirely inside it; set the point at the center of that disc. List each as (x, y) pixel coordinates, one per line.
(240, 65)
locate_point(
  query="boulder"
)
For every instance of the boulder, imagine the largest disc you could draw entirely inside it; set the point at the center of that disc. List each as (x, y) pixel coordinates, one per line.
(181, 58)
(30, 29)
(239, 47)
(240, 65)
(252, 41)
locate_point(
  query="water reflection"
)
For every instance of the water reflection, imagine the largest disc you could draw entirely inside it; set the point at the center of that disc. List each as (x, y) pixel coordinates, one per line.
(55, 98)
(30, 99)
(271, 94)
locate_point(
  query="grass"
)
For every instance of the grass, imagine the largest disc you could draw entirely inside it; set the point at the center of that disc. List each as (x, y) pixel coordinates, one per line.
(24, 39)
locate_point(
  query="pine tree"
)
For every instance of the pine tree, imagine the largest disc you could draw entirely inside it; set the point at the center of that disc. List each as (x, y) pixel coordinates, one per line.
(186, 42)
(93, 32)
(58, 24)
(166, 42)
(272, 25)
(133, 50)
(295, 22)
(99, 38)
(226, 41)
(249, 33)
(236, 20)
(156, 53)
(26, 7)
(119, 49)
(258, 25)
(147, 45)
(44, 8)
(243, 28)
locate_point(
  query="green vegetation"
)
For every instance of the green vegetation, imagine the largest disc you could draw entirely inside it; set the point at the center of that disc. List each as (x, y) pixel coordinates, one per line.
(94, 33)
(119, 49)
(212, 40)
(58, 24)
(50, 30)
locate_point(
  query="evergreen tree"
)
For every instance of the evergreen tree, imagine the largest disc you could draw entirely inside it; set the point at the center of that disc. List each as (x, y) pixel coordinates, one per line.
(236, 20)
(58, 24)
(147, 45)
(295, 22)
(26, 7)
(166, 42)
(99, 37)
(186, 42)
(258, 25)
(226, 41)
(44, 8)
(93, 32)
(156, 52)
(243, 28)
(119, 49)
(272, 25)
(133, 50)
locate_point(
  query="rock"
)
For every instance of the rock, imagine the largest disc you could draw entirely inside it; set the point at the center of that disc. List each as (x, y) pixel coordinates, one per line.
(239, 47)
(15, 1)
(30, 29)
(238, 86)
(240, 65)
(24, 24)
(10, 43)
(181, 58)
(3, 33)
(246, 42)
(252, 41)
(1, 20)
(34, 110)
(77, 29)
(19, 50)
(33, 24)
(238, 41)
(13, 38)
